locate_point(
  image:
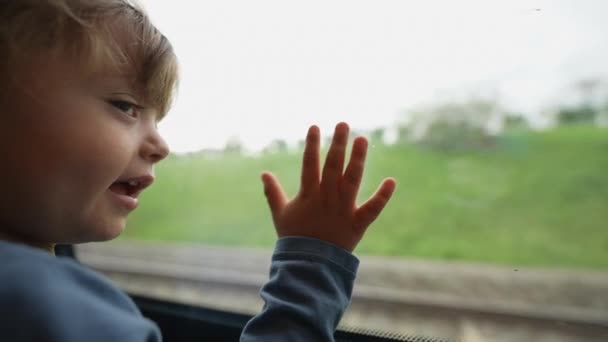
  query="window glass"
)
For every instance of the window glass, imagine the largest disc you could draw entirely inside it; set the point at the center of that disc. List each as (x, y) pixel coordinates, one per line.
(491, 115)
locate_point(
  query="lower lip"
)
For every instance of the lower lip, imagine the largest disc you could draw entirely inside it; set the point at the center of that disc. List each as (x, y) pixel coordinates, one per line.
(126, 201)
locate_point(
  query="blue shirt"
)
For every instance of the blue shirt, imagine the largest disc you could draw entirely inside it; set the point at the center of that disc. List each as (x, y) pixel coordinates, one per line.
(44, 298)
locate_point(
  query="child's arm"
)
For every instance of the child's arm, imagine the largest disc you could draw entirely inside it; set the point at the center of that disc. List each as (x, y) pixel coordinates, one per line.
(312, 270)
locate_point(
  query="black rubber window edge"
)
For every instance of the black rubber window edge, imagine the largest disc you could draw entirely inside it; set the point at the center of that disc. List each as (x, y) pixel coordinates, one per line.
(183, 322)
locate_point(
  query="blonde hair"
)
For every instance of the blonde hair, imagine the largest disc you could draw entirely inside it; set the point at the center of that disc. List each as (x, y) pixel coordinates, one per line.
(97, 34)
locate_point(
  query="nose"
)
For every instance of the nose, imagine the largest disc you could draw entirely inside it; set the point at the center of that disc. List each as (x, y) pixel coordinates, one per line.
(154, 148)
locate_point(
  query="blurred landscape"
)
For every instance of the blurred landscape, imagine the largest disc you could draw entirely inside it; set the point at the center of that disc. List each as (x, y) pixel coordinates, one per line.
(492, 116)
(475, 183)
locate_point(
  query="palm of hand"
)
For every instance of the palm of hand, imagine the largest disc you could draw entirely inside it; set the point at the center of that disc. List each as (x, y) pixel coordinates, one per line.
(325, 207)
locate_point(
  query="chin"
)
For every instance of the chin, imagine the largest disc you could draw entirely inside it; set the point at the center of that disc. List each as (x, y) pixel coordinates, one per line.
(111, 233)
(101, 233)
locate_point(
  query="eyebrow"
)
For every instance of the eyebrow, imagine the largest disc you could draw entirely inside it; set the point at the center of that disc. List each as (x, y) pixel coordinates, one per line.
(128, 94)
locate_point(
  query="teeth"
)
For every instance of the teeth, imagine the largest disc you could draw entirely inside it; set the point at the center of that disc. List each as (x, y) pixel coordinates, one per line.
(132, 183)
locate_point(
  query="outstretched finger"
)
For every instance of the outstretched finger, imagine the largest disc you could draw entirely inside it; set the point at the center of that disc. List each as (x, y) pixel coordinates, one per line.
(334, 163)
(369, 211)
(353, 174)
(276, 197)
(310, 162)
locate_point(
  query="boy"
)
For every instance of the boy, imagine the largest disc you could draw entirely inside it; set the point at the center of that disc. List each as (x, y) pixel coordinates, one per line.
(85, 83)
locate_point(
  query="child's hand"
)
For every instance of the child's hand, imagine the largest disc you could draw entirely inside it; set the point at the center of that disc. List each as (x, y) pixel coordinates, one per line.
(325, 207)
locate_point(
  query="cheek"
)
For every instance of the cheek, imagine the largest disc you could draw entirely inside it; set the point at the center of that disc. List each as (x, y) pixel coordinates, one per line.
(94, 156)
(63, 169)
(87, 149)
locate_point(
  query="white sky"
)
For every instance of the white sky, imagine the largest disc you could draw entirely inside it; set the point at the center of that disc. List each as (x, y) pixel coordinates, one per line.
(267, 69)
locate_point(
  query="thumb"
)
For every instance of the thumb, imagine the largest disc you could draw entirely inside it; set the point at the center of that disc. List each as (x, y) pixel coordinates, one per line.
(274, 193)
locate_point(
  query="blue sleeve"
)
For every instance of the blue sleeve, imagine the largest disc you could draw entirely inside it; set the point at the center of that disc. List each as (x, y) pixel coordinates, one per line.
(309, 289)
(43, 298)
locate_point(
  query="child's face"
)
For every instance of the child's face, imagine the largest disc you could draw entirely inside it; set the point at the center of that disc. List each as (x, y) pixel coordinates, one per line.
(65, 138)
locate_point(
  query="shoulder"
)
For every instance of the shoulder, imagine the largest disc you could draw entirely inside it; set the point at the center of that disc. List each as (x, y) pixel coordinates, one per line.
(29, 273)
(61, 298)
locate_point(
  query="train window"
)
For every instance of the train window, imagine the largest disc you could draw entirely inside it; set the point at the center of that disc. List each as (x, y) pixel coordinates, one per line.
(491, 115)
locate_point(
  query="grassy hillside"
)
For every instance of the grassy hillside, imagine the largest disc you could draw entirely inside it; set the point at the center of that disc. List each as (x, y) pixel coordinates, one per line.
(538, 198)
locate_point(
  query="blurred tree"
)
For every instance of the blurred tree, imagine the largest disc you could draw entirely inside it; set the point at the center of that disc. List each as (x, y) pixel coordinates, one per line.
(515, 121)
(233, 146)
(469, 124)
(403, 134)
(376, 136)
(276, 146)
(576, 114)
(589, 90)
(591, 94)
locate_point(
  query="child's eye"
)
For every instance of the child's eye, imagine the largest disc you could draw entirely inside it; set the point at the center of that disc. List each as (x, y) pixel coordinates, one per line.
(125, 106)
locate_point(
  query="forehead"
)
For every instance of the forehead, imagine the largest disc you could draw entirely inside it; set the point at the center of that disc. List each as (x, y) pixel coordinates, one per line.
(61, 70)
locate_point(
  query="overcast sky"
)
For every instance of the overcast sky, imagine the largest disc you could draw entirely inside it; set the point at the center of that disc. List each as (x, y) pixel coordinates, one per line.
(267, 69)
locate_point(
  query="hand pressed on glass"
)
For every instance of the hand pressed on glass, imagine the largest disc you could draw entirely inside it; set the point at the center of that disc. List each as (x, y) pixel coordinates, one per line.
(325, 207)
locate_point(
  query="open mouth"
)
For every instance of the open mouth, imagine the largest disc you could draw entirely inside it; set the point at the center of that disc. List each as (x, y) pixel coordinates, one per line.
(128, 189)
(124, 188)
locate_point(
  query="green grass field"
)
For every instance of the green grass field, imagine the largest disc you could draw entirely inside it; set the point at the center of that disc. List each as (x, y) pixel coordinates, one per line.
(537, 198)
